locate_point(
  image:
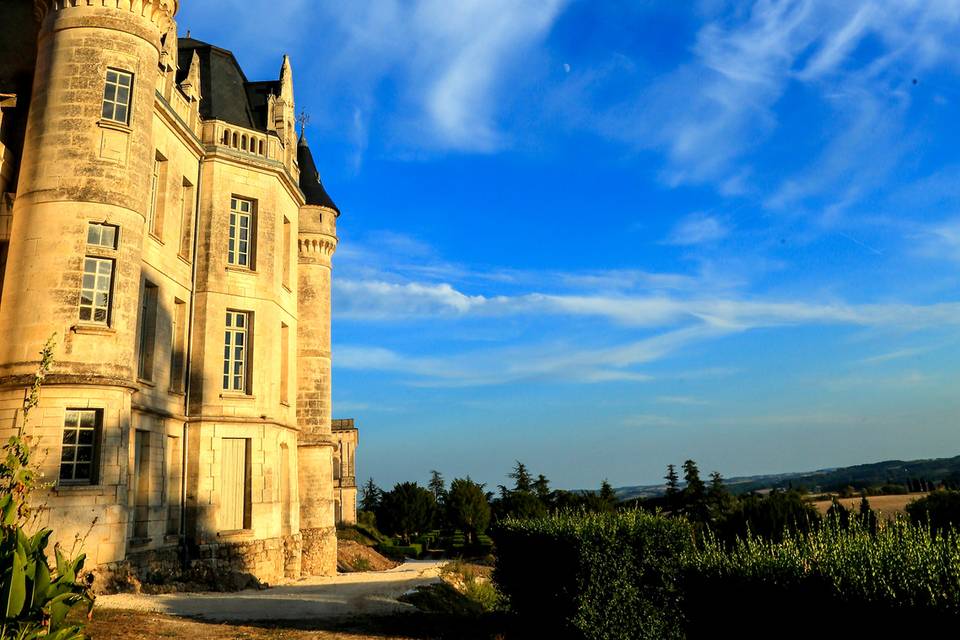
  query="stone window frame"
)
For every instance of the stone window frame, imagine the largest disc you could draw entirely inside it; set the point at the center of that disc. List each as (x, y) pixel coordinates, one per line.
(237, 258)
(74, 428)
(102, 234)
(234, 381)
(99, 254)
(95, 270)
(111, 104)
(147, 339)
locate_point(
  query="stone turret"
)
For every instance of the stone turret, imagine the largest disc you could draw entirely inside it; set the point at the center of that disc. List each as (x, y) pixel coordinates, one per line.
(317, 242)
(87, 158)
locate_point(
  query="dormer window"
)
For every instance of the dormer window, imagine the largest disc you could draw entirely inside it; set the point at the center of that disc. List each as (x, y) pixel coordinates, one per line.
(116, 96)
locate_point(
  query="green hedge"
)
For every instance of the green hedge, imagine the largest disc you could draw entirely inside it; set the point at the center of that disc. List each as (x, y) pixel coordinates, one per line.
(636, 575)
(399, 552)
(594, 576)
(899, 574)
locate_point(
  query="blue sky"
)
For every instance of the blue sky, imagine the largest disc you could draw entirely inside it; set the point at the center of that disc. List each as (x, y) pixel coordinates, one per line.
(604, 236)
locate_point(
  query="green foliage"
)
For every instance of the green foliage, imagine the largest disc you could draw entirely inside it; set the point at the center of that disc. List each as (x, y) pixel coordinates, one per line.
(370, 496)
(406, 510)
(34, 601)
(467, 507)
(597, 576)
(941, 509)
(523, 481)
(672, 492)
(400, 551)
(899, 573)
(770, 516)
(437, 486)
(475, 587)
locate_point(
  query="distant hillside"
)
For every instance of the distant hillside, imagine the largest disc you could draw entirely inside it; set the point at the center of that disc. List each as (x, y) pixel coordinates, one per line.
(859, 476)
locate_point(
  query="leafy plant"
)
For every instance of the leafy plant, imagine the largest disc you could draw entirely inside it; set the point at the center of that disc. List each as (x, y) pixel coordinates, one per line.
(33, 600)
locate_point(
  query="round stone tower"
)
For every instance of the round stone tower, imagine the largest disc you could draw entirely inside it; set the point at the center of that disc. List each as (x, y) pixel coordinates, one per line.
(84, 192)
(316, 243)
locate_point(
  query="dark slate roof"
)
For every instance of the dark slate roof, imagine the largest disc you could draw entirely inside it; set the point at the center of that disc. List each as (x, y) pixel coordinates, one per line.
(310, 182)
(224, 90)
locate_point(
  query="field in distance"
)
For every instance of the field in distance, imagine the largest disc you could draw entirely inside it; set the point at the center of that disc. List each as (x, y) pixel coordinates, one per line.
(889, 506)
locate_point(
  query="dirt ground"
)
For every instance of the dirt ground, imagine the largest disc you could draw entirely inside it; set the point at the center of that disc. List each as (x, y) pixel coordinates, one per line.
(353, 556)
(890, 506)
(354, 606)
(341, 596)
(140, 625)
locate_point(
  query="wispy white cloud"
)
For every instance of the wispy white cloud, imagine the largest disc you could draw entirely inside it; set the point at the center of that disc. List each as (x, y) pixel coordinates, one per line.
(898, 354)
(377, 301)
(940, 240)
(557, 361)
(710, 113)
(698, 228)
(448, 62)
(681, 400)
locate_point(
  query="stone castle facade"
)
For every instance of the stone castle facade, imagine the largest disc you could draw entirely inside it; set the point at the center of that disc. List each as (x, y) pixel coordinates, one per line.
(161, 217)
(345, 437)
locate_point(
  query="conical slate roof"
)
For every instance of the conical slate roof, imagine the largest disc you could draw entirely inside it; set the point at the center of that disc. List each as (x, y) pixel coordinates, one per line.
(310, 182)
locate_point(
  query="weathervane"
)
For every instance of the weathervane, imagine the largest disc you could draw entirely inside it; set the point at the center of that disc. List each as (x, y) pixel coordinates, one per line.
(303, 119)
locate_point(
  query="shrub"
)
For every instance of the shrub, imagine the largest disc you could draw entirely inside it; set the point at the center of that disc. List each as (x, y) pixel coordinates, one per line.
(400, 552)
(897, 574)
(34, 601)
(941, 509)
(597, 576)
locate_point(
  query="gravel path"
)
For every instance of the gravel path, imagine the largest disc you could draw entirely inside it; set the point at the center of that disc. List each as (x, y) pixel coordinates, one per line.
(347, 594)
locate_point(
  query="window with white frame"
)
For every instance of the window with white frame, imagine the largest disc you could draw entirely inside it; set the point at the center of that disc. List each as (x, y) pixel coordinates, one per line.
(116, 96)
(236, 351)
(78, 453)
(96, 290)
(101, 235)
(240, 245)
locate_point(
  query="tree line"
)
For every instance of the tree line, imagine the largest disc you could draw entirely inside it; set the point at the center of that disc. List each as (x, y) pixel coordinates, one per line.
(465, 505)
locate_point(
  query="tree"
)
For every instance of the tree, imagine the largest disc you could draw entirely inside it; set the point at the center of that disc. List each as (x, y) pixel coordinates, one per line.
(838, 514)
(694, 494)
(406, 510)
(672, 488)
(770, 516)
(523, 481)
(437, 486)
(940, 509)
(720, 501)
(607, 496)
(467, 507)
(541, 487)
(370, 495)
(867, 515)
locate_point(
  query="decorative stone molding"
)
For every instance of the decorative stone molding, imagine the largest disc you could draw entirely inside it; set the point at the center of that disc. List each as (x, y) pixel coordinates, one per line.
(159, 12)
(322, 245)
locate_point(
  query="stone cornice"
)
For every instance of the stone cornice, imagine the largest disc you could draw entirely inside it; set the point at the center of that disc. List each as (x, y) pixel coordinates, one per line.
(159, 12)
(316, 244)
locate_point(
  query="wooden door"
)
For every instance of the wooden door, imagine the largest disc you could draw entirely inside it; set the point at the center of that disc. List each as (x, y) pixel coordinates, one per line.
(233, 484)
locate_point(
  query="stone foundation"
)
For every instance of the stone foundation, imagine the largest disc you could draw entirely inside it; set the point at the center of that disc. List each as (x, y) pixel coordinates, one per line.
(319, 554)
(223, 566)
(269, 560)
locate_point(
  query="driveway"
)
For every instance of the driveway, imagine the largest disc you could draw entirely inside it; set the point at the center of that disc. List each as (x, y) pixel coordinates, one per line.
(347, 594)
